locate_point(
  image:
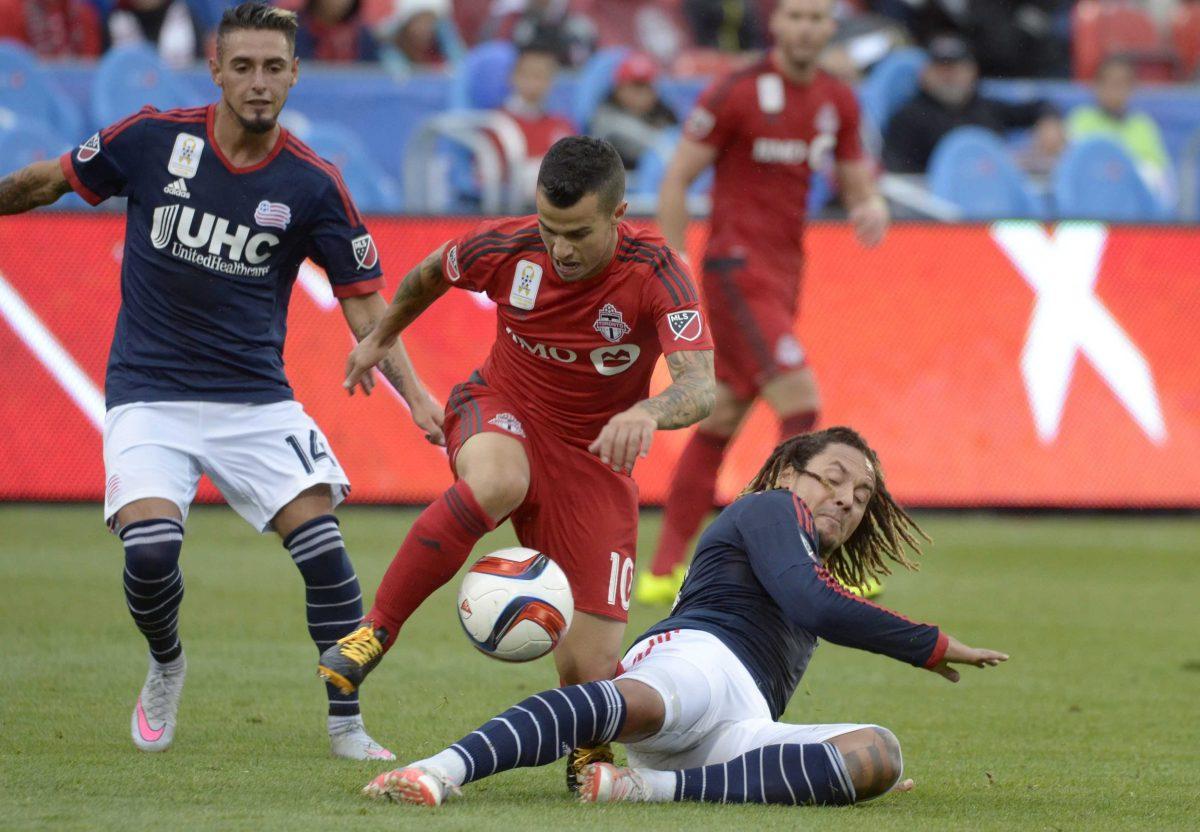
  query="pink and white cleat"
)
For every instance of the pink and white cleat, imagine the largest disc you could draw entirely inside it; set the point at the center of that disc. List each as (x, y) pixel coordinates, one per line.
(414, 784)
(152, 724)
(606, 783)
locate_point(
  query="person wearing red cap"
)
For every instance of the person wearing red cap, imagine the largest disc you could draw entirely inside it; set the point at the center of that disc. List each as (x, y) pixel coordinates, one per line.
(633, 116)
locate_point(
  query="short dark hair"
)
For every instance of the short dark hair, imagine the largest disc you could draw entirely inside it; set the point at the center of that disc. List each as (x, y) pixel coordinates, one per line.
(885, 530)
(580, 165)
(1115, 60)
(257, 15)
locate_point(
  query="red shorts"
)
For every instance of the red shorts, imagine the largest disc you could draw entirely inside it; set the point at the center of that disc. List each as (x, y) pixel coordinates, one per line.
(751, 316)
(578, 511)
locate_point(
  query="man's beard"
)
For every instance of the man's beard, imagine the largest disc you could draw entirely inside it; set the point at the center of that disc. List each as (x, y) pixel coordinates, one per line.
(259, 125)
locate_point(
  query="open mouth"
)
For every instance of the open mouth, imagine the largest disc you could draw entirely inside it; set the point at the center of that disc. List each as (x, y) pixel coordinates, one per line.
(567, 269)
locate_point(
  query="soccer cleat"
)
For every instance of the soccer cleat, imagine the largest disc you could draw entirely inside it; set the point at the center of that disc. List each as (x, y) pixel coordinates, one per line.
(352, 742)
(606, 783)
(347, 663)
(414, 784)
(581, 758)
(659, 590)
(153, 722)
(871, 590)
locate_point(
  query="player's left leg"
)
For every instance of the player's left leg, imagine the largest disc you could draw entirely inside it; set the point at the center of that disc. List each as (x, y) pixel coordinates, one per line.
(274, 466)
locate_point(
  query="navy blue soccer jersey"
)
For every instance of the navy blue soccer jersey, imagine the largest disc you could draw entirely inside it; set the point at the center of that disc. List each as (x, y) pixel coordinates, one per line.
(211, 253)
(757, 583)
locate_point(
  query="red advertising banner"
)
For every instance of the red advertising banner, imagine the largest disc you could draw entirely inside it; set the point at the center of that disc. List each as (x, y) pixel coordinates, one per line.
(1012, 364)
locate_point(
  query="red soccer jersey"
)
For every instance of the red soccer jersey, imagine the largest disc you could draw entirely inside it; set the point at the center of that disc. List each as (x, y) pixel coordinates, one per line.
(575, 354)
(770, 134)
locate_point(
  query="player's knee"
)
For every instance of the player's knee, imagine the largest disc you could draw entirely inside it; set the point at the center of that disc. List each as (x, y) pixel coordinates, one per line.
(880, 763)
(499, 491)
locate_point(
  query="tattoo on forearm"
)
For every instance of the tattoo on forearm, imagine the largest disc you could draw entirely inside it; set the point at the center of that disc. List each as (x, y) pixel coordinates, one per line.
(690, 396)
(25, 190)
(419, 288)
(363, 328)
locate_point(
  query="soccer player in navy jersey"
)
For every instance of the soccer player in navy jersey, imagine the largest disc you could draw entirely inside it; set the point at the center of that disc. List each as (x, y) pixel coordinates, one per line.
(698, 696)
(223, 207)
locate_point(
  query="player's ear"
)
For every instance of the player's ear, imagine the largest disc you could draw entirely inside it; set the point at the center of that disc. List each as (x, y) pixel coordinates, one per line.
(619, 211)
(295, 71)
(214, 69)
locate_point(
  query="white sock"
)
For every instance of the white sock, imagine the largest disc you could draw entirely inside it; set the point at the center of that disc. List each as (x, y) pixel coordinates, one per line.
(449, 763)
(661, 783)
(174, 666)
(344, 724)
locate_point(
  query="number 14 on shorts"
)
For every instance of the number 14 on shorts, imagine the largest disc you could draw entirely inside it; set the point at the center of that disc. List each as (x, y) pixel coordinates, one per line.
(316, 450)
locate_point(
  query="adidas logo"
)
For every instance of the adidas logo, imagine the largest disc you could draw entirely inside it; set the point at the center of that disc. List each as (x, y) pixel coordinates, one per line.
(177, 188)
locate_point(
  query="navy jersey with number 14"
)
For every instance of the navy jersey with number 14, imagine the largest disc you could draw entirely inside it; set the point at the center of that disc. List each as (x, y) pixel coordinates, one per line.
(211, 253)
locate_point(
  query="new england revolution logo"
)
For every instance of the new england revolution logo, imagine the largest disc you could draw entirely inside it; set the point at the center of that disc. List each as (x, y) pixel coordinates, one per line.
(365, 253)
(611, 323)
(685, 324)
(273, 215)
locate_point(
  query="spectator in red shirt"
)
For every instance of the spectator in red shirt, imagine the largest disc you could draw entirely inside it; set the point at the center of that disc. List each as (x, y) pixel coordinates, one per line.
(53, 28)
(333, 30)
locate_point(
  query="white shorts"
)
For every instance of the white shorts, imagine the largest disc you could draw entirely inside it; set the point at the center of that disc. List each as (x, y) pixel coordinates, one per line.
(260, 456)
(714, 711)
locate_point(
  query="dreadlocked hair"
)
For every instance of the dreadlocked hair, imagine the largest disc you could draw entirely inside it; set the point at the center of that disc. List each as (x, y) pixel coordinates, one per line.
(886, 529)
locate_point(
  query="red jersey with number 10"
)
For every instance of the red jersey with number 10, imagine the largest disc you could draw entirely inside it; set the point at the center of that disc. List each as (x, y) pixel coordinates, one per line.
(574, 354)
(770, 134)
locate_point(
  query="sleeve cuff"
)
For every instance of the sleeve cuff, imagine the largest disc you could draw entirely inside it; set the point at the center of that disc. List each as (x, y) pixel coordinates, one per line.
(939, 650)
(75, 182)
(362, 287)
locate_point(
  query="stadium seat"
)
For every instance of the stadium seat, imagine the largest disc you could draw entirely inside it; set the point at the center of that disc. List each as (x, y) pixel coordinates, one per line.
(27, 90)
(594, 82)
(481, 79)
(373, 190)
(30, 142)
(891, 84)
(1096, 179)
(652, 167)
(971, 168)
(130, 77)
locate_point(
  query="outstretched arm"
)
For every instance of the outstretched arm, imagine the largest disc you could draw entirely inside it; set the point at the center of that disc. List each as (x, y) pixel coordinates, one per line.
(362, 313)
(687, 400)
(33, 186)
(420, 288)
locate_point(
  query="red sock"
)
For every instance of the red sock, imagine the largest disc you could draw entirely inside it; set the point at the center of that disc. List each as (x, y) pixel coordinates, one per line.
(436, 547)
(796, 423)
(693, 490)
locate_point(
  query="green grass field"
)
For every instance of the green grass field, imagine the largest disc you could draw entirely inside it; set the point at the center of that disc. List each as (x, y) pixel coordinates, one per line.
(1092, 724)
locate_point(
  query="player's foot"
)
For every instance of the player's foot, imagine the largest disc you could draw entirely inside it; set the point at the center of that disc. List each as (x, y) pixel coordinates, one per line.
(414, 784)
(659, 590)
(606, 783)
(581, 758)
(872, 589)
(347, 663)
(349, 740)
(153, 721)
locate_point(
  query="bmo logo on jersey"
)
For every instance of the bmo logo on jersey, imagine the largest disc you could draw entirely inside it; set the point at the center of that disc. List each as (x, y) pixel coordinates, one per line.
(211, 242)
(608, 361)
(793, 151)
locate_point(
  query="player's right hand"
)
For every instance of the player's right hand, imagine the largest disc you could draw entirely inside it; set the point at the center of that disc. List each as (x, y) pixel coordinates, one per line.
(362, 358)
(428, 415)
(959, 653)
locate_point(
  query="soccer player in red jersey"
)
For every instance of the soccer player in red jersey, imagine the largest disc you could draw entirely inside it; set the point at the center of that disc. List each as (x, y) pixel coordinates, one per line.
(547, 431)
(765, 129)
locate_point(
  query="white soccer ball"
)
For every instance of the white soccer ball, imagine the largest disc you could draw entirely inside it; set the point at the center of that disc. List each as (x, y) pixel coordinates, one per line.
(515, 604)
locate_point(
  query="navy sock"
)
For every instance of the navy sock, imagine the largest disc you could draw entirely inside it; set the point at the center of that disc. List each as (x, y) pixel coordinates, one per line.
(543, 728)
(794, 775)
(154, 583)
(331, 590)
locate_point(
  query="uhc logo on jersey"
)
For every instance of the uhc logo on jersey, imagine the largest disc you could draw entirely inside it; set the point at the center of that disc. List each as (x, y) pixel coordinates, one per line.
(89, 149)
(365, 253)
(211, 242)
(685, 324)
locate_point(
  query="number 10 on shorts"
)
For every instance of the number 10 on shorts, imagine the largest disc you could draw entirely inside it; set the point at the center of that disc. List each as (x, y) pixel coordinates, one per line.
(620, 581)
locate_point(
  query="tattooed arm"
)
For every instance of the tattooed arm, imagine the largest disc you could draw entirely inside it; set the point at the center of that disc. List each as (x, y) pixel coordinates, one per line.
(33, 186)
(420, 287)
(687, 400)
(362, 313)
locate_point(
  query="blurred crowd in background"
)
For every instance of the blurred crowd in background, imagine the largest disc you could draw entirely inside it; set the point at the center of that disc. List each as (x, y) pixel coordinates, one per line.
(973, 108)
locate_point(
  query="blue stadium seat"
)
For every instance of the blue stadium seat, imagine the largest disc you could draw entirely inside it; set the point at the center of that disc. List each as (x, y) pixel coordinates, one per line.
(972, 168)
(481, 78)
(28, 91)
(373, 190)
(30, 142)
(1096, 179)
(130, 77)
(891, 84)
(594, 82)
(652, 167)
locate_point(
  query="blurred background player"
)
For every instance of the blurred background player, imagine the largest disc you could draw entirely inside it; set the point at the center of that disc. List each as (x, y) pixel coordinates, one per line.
(765, 129)
(547, 431)
(700, 694)
(224, 206)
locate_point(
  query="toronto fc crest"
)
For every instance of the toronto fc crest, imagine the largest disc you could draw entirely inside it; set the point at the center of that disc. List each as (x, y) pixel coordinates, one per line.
(611, 323)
